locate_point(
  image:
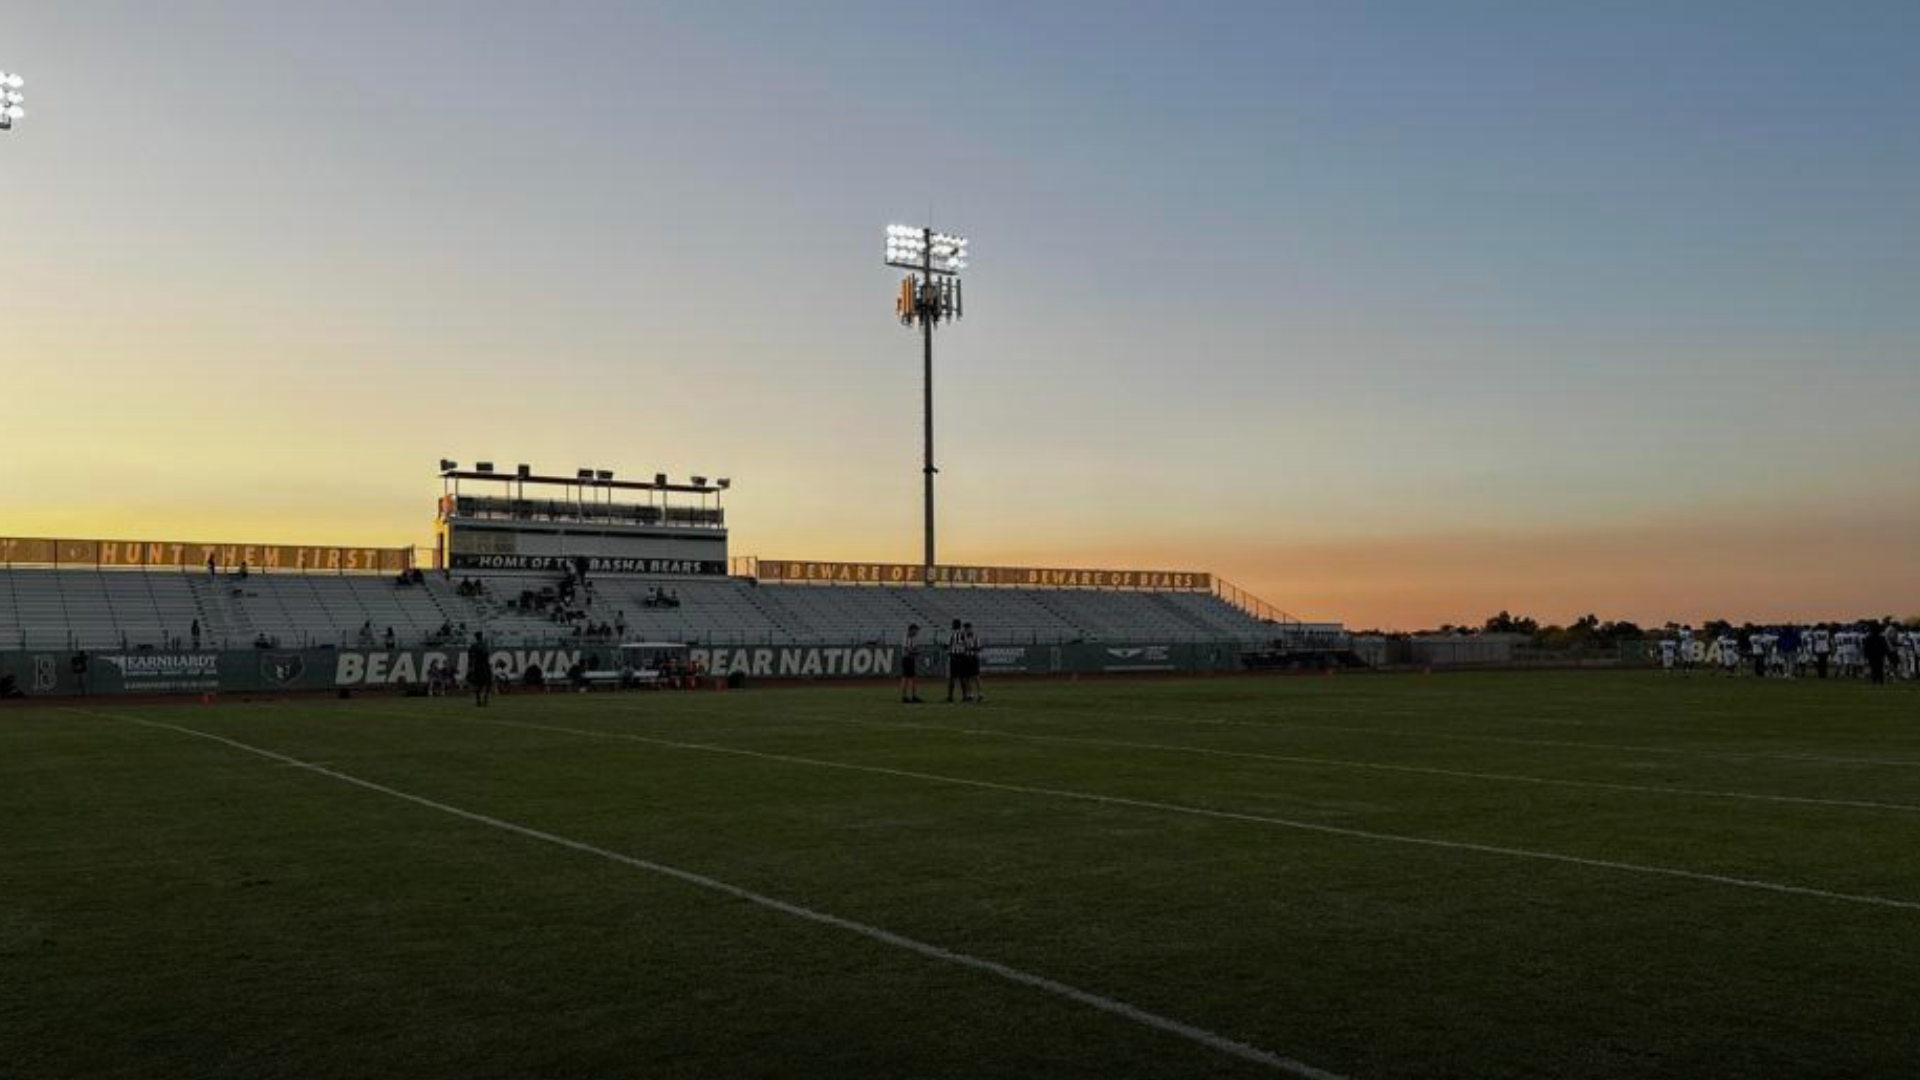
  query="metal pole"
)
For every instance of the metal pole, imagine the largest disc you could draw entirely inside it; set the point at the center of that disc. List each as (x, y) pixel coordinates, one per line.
(926, 338)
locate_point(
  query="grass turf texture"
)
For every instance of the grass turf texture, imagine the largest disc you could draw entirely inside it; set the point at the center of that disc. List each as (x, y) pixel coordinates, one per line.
(170, 906)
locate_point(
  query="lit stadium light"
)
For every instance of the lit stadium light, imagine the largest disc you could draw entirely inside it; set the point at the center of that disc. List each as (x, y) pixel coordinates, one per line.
(926, 301)
(10, 99)
(925, 250)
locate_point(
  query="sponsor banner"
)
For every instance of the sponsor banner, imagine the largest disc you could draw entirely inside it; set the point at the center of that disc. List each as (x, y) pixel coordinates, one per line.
(161, 672)
(1011, 658)
(132, 553)
(602, 564)
(847, 573)
(799, 661)
(1137, 658)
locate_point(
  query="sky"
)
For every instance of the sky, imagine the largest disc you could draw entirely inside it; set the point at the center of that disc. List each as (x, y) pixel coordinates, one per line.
(1389, 313)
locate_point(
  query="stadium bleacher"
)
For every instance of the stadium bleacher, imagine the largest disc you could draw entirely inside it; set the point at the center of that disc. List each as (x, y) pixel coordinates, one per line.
(125, 608)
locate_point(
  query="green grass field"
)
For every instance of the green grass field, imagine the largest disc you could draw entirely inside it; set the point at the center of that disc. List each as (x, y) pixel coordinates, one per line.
(1485, 876)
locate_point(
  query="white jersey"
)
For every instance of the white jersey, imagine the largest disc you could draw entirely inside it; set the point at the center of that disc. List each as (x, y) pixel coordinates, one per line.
(1729, 650)
(1847, 647)
(1669, 650)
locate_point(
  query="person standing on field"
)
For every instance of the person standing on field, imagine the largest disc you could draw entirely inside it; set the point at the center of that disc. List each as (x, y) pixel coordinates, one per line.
(1822, 649)
(1788, 646)
(1876, 649)
(956, 661)
(970, 689)
(910, 666)
(480, 670)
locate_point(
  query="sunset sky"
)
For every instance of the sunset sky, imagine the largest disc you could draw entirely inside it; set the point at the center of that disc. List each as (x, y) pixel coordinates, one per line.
(1392, 313)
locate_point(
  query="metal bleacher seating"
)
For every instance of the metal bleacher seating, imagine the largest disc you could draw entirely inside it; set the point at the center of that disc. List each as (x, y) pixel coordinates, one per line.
(106, 609)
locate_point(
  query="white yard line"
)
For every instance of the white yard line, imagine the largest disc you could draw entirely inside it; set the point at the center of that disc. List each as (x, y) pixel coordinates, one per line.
(1112, 1006)
(1512, 740)
(1341, 763)
(1231, 815)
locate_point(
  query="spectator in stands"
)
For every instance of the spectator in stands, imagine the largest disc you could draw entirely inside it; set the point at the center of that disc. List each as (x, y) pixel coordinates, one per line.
(480, 670)
(195, 632)
(390, 637)
(620, 623)
(213, 569)
(910, 666)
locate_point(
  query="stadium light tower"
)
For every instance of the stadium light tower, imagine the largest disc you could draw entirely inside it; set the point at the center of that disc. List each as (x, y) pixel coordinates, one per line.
(10, 99)
(931, 299)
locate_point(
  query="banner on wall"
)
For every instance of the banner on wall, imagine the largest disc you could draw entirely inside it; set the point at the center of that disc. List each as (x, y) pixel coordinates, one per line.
(38, 673)
(602, 564)
(193, 554)
(859, 573)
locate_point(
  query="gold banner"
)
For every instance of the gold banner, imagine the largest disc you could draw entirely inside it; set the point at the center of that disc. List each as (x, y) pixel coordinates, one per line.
(843, 573)
(185, 554)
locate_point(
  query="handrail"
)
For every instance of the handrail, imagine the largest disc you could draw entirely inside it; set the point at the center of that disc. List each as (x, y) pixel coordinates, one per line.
(1251, 604)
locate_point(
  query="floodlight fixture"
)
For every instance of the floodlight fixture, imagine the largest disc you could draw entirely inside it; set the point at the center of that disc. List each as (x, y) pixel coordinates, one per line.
(523, 471)
(583, 474)
(10, 99)
(911, 248)
(723, 483)
(660, 479)
(603, 474)
(448, 466)
(483, 466)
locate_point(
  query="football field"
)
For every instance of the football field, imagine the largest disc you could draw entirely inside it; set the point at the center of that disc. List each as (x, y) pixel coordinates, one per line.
(1480, 876)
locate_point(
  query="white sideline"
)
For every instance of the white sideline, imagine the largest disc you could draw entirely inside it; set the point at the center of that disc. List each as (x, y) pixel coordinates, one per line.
(1201, 1036)
(1427, 770)
(1232, 815)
